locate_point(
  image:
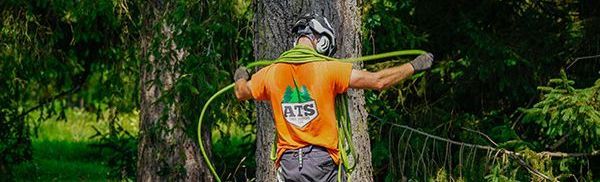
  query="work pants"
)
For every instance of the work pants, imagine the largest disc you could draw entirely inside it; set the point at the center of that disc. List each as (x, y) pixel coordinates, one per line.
(308, 164)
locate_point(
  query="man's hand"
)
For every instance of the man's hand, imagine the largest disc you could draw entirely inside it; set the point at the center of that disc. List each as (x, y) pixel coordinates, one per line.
(422, 62)
(242, 88)
(241, 73)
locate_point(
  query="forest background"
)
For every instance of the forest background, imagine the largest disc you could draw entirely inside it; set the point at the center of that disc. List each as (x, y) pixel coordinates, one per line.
(522, 76)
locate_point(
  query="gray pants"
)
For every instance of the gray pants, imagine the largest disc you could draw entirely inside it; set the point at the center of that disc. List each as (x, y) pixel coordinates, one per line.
(308, 164)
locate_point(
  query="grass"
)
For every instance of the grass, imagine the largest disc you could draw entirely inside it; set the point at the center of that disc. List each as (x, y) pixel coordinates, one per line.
(62, 151)
(233, 149)
(62, 161)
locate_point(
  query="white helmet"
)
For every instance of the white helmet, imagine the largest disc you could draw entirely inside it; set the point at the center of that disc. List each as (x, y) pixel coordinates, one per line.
(310, 23)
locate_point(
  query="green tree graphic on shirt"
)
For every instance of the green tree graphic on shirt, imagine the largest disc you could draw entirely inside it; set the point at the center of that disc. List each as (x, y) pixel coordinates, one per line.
(296, 95)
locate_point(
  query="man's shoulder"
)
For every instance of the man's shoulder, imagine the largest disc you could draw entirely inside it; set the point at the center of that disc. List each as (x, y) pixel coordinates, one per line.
(337, 64)
(266, 68)
(327, 65)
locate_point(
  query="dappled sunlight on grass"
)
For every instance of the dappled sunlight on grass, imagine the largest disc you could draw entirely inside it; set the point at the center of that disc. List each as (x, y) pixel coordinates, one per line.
(62, 160)
(62, 150)
(79, 125)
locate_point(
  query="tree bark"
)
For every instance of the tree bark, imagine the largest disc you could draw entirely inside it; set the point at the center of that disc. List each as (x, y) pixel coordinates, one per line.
(273, 21)
(166, 151)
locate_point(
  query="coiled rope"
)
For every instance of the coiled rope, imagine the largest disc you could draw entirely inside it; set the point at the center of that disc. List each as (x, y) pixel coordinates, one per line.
(303, 54)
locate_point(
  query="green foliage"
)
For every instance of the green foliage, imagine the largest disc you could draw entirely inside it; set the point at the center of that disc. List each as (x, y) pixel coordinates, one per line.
(392, 19)
(567, 112)
(496, 175)
(490, 56)
(567, 119)
(61, 54)
(118, 147)
(234, 147)
(70, 150)
(214, 42)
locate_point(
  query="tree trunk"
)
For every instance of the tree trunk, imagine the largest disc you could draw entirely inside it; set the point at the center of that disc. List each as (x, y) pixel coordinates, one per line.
(166, 151)
(273, 21)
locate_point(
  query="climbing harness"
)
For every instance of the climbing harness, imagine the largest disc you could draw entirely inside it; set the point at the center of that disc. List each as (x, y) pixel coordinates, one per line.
(303, 54)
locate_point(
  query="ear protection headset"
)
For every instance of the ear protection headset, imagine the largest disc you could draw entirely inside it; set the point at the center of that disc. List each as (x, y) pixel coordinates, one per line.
(323, 45)
(310, 24)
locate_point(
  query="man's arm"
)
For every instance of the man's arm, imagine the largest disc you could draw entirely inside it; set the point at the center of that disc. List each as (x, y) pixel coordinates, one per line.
(390, 76)
(379, 80)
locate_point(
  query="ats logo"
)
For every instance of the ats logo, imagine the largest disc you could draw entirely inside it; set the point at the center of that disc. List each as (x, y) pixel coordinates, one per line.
(299, 108)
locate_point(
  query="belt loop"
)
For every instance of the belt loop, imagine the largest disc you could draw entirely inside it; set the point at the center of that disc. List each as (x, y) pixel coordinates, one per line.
(300, 156)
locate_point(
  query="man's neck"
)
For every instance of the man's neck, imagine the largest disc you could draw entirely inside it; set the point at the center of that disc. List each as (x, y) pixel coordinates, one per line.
(305, 41)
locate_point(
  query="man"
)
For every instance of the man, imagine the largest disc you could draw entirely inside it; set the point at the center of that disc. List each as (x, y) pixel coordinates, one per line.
(302, 96)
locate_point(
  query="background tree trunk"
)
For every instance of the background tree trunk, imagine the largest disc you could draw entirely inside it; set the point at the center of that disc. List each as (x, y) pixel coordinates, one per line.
(167, 151)
(273, 21)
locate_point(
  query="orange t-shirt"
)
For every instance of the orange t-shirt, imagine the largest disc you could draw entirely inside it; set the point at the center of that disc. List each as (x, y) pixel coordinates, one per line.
(303, 101)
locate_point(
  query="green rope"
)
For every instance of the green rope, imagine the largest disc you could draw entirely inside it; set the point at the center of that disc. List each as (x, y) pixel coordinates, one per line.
(345, 132)
(204, 155)
(302, 54)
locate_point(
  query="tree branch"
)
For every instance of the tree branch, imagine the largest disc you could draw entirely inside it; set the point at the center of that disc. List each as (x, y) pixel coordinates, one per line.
(482, 134)
(515, 157)
(62, 94)
(484, 147)
(581, 58)
(560, 141)
(80, 79)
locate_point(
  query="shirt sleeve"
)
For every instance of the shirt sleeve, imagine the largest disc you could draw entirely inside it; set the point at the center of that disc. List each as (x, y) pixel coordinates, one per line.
(339, 74)
(258, 88)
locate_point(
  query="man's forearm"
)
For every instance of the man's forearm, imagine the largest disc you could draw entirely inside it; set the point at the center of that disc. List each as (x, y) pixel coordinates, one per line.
(391, 76)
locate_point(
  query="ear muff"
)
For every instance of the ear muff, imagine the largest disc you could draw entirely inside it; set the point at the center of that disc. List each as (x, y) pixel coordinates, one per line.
(323, 45)
(313, 24)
